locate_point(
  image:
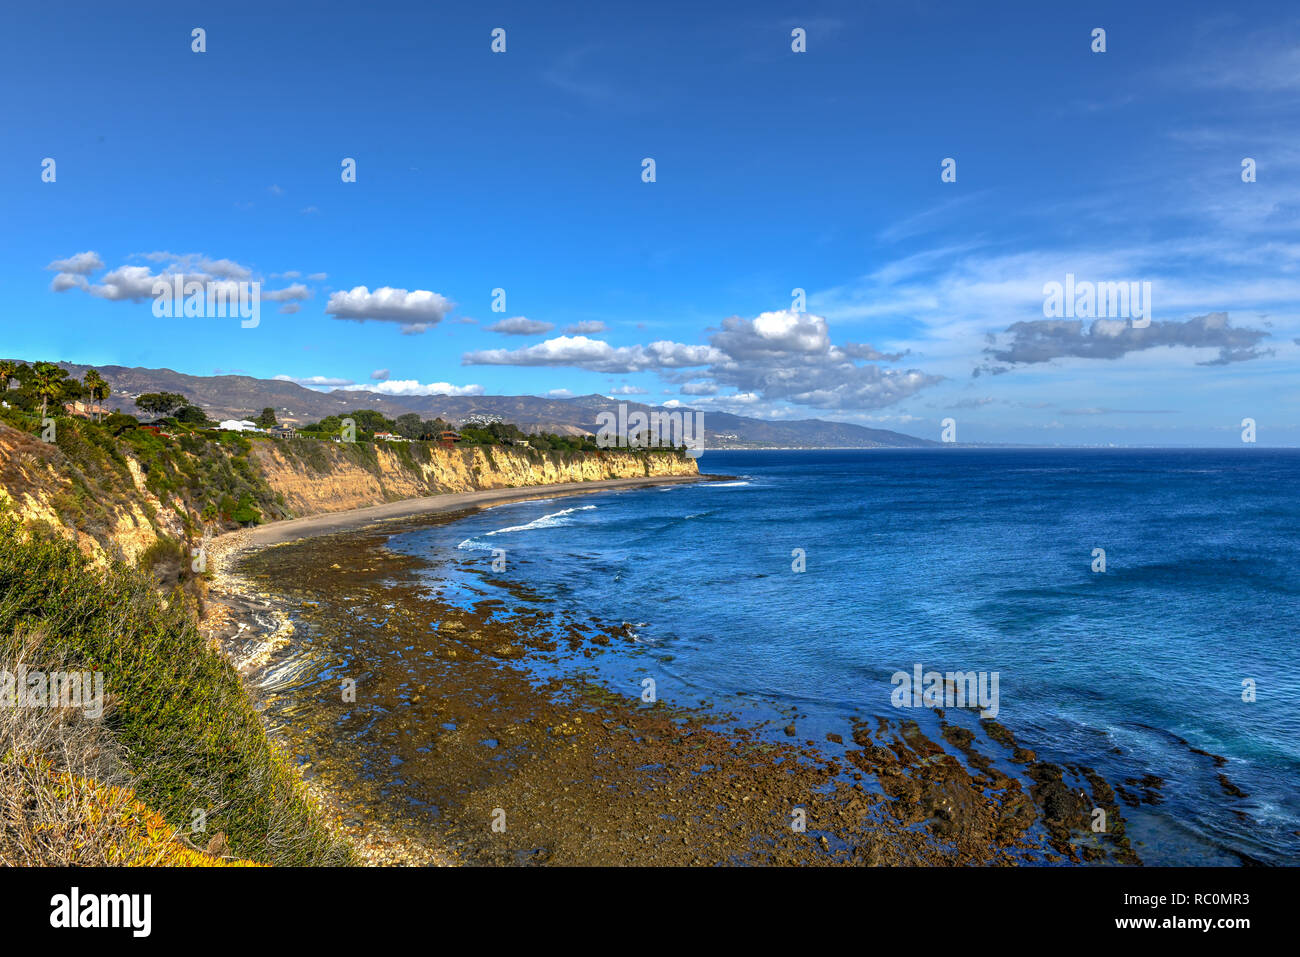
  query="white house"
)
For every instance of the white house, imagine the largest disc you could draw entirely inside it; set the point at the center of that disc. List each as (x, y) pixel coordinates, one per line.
(238, 425)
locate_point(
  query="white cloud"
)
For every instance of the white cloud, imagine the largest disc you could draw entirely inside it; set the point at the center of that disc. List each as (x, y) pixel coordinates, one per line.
(66, 280)
(596, 355)
(587, 327)
(414, 387)
(416, 310)
(784, 355)
(699, 388)
(290, 296)
(79, 264)
(199, 265)
(315, 381)
(521, 326)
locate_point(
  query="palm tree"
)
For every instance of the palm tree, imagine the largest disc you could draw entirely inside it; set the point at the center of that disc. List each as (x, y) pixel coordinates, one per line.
(47, 382)
(7, 369)
(98, 389)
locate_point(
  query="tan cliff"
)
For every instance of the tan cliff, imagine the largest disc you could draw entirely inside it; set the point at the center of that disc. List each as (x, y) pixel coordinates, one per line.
(100, 494)
(106, 511)
(372, 475)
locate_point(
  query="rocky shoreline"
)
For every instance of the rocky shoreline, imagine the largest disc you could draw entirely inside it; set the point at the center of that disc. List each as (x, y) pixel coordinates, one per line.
(451, 732)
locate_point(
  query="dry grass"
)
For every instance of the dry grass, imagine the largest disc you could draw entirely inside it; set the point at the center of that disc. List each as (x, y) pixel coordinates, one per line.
(62, 780)
(182, 726)
(66, 796)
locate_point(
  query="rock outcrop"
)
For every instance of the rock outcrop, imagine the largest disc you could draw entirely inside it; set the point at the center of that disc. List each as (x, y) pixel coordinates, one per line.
(100, 491)
(328, 477)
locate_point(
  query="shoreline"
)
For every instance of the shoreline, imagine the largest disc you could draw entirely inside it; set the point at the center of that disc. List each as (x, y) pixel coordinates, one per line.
(578, 758)
(227, 546)
(235, 603)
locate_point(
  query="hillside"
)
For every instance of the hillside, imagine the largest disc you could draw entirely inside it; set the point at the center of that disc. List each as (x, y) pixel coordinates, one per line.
(103, 569)
(152, 498)
(238, 396)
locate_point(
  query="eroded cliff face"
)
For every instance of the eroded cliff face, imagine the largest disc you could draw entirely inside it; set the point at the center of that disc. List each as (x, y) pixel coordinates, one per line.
(330, 477)
(100, 495)
(105, 511)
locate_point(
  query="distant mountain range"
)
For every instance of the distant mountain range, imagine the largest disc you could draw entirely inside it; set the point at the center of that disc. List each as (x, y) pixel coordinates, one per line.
(239, 396)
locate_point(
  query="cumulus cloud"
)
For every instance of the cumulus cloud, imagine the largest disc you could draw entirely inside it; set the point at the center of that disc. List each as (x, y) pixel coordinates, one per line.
(596, 355)
(789, 356)
(133, 283)
(860, 350)
(297, 291)
(314, 381)
(588, 327)
(66, 280)
(521, 326)
(200, 265)
(782, 355)
(379, 375)
(627, 390)
(416, 311)
(414, 387)
(1042, 340)
(290, 296)
(79, 264)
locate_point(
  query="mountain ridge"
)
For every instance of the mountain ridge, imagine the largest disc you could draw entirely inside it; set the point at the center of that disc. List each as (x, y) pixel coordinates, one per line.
(240, 396)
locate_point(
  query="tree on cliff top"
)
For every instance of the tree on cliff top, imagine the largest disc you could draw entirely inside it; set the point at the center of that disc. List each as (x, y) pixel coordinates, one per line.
(48, 383)
(98, 389)
(161, 404)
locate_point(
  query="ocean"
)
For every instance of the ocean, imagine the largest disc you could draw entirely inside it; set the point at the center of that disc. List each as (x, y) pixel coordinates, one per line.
(801, 588)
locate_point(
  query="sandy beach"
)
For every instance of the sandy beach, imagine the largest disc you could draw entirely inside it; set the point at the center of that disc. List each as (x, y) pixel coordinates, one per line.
(276, 533)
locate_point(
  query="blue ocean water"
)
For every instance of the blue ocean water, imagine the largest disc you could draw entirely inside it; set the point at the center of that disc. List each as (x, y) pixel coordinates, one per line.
(957, 559)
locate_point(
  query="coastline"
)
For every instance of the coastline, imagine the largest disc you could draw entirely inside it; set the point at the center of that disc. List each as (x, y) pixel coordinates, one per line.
(327, 523)
(248, 625)
(576, 764)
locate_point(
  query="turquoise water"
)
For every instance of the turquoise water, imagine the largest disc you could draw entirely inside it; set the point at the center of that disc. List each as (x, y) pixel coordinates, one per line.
(962, 560)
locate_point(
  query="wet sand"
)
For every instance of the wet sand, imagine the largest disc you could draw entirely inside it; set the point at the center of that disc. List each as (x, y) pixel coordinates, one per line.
(454, 750)
(328, 523)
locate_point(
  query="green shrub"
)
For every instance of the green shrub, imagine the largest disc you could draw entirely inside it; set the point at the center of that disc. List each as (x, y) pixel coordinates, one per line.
(190, 733)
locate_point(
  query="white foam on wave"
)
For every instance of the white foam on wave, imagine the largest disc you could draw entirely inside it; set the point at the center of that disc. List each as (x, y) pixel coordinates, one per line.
(723, 484)
(546, 521)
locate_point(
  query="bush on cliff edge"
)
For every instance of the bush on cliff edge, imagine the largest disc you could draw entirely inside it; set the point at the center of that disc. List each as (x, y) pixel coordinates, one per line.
(188, 730)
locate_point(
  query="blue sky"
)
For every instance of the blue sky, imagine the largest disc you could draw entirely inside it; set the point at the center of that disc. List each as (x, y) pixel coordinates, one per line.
(818, 170)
